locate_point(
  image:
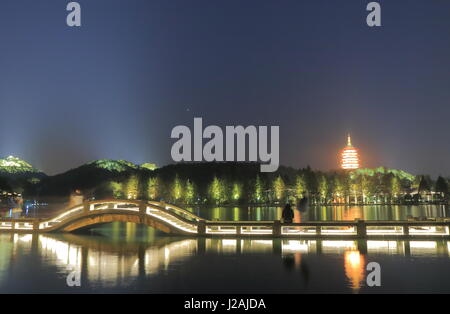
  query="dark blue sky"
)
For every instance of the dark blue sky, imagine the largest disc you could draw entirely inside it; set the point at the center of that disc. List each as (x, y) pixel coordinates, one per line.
(116, 87)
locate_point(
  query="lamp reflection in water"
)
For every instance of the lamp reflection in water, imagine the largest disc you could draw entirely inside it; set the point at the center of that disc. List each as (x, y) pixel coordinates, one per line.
(158, 258)
(424, 248)
(383, 247)
(354, 264)
(107, 268)
(110, 263)
(67, 256)
(294, 248)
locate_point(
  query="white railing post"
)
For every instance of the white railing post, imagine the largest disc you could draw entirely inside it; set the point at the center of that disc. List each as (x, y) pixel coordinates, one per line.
(201, 227)
(276, 228)
(86, 208)
(142, 208)
(406, 230)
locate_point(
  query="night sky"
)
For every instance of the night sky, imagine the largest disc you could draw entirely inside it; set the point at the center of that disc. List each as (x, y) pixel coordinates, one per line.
(116, 87)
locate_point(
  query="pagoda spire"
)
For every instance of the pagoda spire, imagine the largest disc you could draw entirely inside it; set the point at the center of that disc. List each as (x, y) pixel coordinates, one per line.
(349, 140)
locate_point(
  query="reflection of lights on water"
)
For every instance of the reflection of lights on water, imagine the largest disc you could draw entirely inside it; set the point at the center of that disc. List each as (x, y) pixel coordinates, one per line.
(423, 244)
(262, 242)
(108, 269)
(66, 254)
(354, 258)
(155, 257)
(354, 264)
(222, 245)
(424, 248)
(352, 213)
(229, 242)
(292, 246)
(229, 246)
(331, 246)
(23, 238)
(254, 246)
(340, 244)
(382, 246)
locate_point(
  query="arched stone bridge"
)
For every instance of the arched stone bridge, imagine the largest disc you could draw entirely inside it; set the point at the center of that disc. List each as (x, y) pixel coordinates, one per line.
(175, 220)
(165, 217)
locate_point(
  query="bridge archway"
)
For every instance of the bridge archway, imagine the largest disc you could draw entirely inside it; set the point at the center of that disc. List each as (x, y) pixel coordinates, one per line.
(163, 217)
(90, 221)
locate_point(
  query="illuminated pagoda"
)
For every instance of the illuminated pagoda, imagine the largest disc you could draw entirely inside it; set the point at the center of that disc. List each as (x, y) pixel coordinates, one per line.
(349, 156)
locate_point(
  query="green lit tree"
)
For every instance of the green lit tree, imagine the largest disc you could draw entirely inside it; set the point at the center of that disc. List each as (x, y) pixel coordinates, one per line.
(344, 186)
(323, 188)
(177, 189)
(311, 183)
(386, 186)
(189, 192)
(279, 188)
(395, 186)
(153, 188)
(217, 191)
(132, 187)
(355, 187)
(257, 194)
(366, 187)
(116, 189)
(236, 192)
(300, 186)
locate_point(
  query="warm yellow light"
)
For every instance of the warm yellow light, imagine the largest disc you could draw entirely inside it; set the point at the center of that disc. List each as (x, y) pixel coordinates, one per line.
(349, 156)
(354, 268)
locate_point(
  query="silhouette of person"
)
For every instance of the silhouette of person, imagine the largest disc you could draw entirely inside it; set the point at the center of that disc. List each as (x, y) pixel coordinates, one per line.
(288, 213)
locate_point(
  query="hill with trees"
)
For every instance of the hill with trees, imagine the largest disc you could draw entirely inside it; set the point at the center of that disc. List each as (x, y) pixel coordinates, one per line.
(224, 183)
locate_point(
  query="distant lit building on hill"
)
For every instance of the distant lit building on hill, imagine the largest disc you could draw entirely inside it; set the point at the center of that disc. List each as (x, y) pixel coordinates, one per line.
(349, 156)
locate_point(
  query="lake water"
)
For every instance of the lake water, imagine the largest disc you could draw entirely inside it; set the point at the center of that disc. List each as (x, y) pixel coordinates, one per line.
(324, 213)
(123, 257)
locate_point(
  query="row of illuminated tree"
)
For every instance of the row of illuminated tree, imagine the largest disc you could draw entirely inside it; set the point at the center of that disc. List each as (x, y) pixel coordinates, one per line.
(368, 187)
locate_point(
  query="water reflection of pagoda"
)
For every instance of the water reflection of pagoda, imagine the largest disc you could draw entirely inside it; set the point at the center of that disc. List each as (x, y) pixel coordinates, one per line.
(349, 156)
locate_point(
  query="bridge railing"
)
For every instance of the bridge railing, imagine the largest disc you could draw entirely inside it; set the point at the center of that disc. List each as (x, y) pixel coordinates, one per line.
(62, 217)
(89, 207)
(335, 228)
(20, 224)
(178, 211)
(183, 220)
